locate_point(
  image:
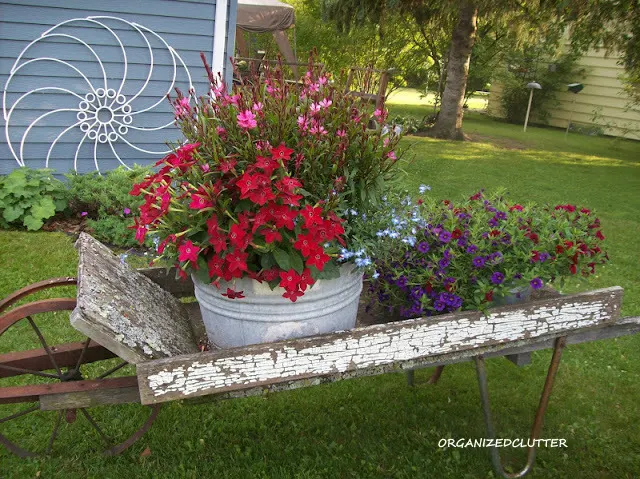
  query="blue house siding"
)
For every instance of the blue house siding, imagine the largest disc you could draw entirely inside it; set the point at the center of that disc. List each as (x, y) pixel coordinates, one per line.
(67, 108)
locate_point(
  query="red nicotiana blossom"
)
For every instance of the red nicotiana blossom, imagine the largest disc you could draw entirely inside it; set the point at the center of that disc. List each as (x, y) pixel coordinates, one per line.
(226, 165)
(281, 152)
(215, 265)
(289, 280)
(266, 164)
(271, 235)
(200, 200)
(236, 261)
(318, 259)
(237, 236)
(306, 244)
(188, 252)
(271, 274)
(306, 279)
(284, 217)
(288, 184)
(292, 294)
(231, 294)
(312, 216)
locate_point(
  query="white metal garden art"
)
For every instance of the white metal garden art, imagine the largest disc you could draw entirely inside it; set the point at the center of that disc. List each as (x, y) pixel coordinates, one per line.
(108, 106)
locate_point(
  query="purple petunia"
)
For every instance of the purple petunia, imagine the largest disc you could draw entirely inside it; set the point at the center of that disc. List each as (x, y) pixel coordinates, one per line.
(444, 262)
(501, 215)
(493, 222)
(536, 283)
(439, 305)
(402, 281)
(478, 261)
(444, 236)
(544, 256)
(472, 249)
(497, 277)
(423, 247)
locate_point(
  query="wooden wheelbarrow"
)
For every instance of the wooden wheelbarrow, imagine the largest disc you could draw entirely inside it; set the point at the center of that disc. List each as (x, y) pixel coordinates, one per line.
(135, 324)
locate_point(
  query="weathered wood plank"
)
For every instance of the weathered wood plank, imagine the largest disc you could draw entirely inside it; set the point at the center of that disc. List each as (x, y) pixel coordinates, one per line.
(372, 349)
(125, 311)
(623, 327)
(99, 397)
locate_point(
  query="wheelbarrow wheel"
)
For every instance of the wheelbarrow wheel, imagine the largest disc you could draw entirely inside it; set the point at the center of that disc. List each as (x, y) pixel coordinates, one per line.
(33, 357)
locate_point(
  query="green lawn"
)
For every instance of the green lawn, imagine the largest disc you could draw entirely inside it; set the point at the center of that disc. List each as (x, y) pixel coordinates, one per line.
(379, 427)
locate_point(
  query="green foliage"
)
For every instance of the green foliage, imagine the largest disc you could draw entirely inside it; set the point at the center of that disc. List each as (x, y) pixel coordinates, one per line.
(105, 200)
(544, 65)
(28, 197)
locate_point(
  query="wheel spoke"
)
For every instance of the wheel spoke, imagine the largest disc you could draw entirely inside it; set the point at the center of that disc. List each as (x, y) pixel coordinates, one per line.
(29, 371)
(44, 345)
(84, 350)
(20, 413)
(92, 421)
(55, 431)
(112, 370)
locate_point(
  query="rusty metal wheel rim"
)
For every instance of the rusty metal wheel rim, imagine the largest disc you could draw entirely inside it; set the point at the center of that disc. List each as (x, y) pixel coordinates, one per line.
(73, 373)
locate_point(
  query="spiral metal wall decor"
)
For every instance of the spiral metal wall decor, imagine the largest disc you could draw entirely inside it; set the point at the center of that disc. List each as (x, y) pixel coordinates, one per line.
(107, 109)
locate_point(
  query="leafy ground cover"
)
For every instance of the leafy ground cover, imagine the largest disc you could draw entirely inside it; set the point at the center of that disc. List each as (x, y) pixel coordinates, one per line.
(379, 427)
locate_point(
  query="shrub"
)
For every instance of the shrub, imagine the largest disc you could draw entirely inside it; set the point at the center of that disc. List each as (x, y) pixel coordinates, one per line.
(106, 202)
(28, 197)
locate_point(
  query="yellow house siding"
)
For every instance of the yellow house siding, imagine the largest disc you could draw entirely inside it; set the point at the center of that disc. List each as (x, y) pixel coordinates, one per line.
(603, 92)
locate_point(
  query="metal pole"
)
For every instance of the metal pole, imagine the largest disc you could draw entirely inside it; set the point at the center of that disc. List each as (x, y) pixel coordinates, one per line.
(570, 116)
(526, 118)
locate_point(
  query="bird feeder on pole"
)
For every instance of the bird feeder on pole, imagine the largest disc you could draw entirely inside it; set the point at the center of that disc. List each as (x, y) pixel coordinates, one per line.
(531, 86)
(573, 88)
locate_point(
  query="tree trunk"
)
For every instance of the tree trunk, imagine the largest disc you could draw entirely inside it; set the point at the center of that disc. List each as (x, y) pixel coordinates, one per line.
(449, 122)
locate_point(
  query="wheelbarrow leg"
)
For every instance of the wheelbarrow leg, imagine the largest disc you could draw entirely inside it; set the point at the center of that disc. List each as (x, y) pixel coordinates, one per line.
(432, 380)
(540, 412)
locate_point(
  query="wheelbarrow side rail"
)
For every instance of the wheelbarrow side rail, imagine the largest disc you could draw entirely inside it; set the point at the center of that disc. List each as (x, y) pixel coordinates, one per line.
(378, 349)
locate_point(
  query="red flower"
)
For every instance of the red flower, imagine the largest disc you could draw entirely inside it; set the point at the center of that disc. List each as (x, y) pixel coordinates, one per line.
(288, 184)
(200, 200)
(262, 196)
(227, 165)
(456, 233)
(306, 279)
(305, 244)
(231, 294)
(215, 264)
(237, 236)
(312, 216)
(291, 200)
(599, 235)
(533, 237)
(236, 261)
(585, 211)
(281, 152)
(568, 244)
(266, 164)
(270, 274)
(492, 233)
(559, 249)
(247, 183)
(289, 279)
(284, 217)
(535, 256)
(188, 252)
(516, 208)
(271, 235)
(573, 269)
(477, 196)
(489, 296)
(318, 259)
(292, 294)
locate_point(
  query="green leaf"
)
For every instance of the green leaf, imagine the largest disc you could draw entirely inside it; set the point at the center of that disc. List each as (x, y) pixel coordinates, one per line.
(330, 271)
(296, 262)
(12, 213)
(61, 204)
(267, 261)
(282, 258)
(32, 224)
(202, 273)
(45, 208)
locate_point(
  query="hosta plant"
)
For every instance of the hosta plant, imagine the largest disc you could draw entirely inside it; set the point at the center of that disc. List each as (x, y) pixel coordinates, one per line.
(262, 182)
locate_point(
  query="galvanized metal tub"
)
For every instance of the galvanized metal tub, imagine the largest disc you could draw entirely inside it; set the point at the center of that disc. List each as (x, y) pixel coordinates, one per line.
(264, 315)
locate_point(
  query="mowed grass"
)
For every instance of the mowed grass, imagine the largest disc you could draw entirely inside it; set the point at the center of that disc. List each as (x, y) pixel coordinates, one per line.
(379, 427)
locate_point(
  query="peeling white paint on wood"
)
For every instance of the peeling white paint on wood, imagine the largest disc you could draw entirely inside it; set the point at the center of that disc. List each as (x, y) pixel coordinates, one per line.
(369, 347)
